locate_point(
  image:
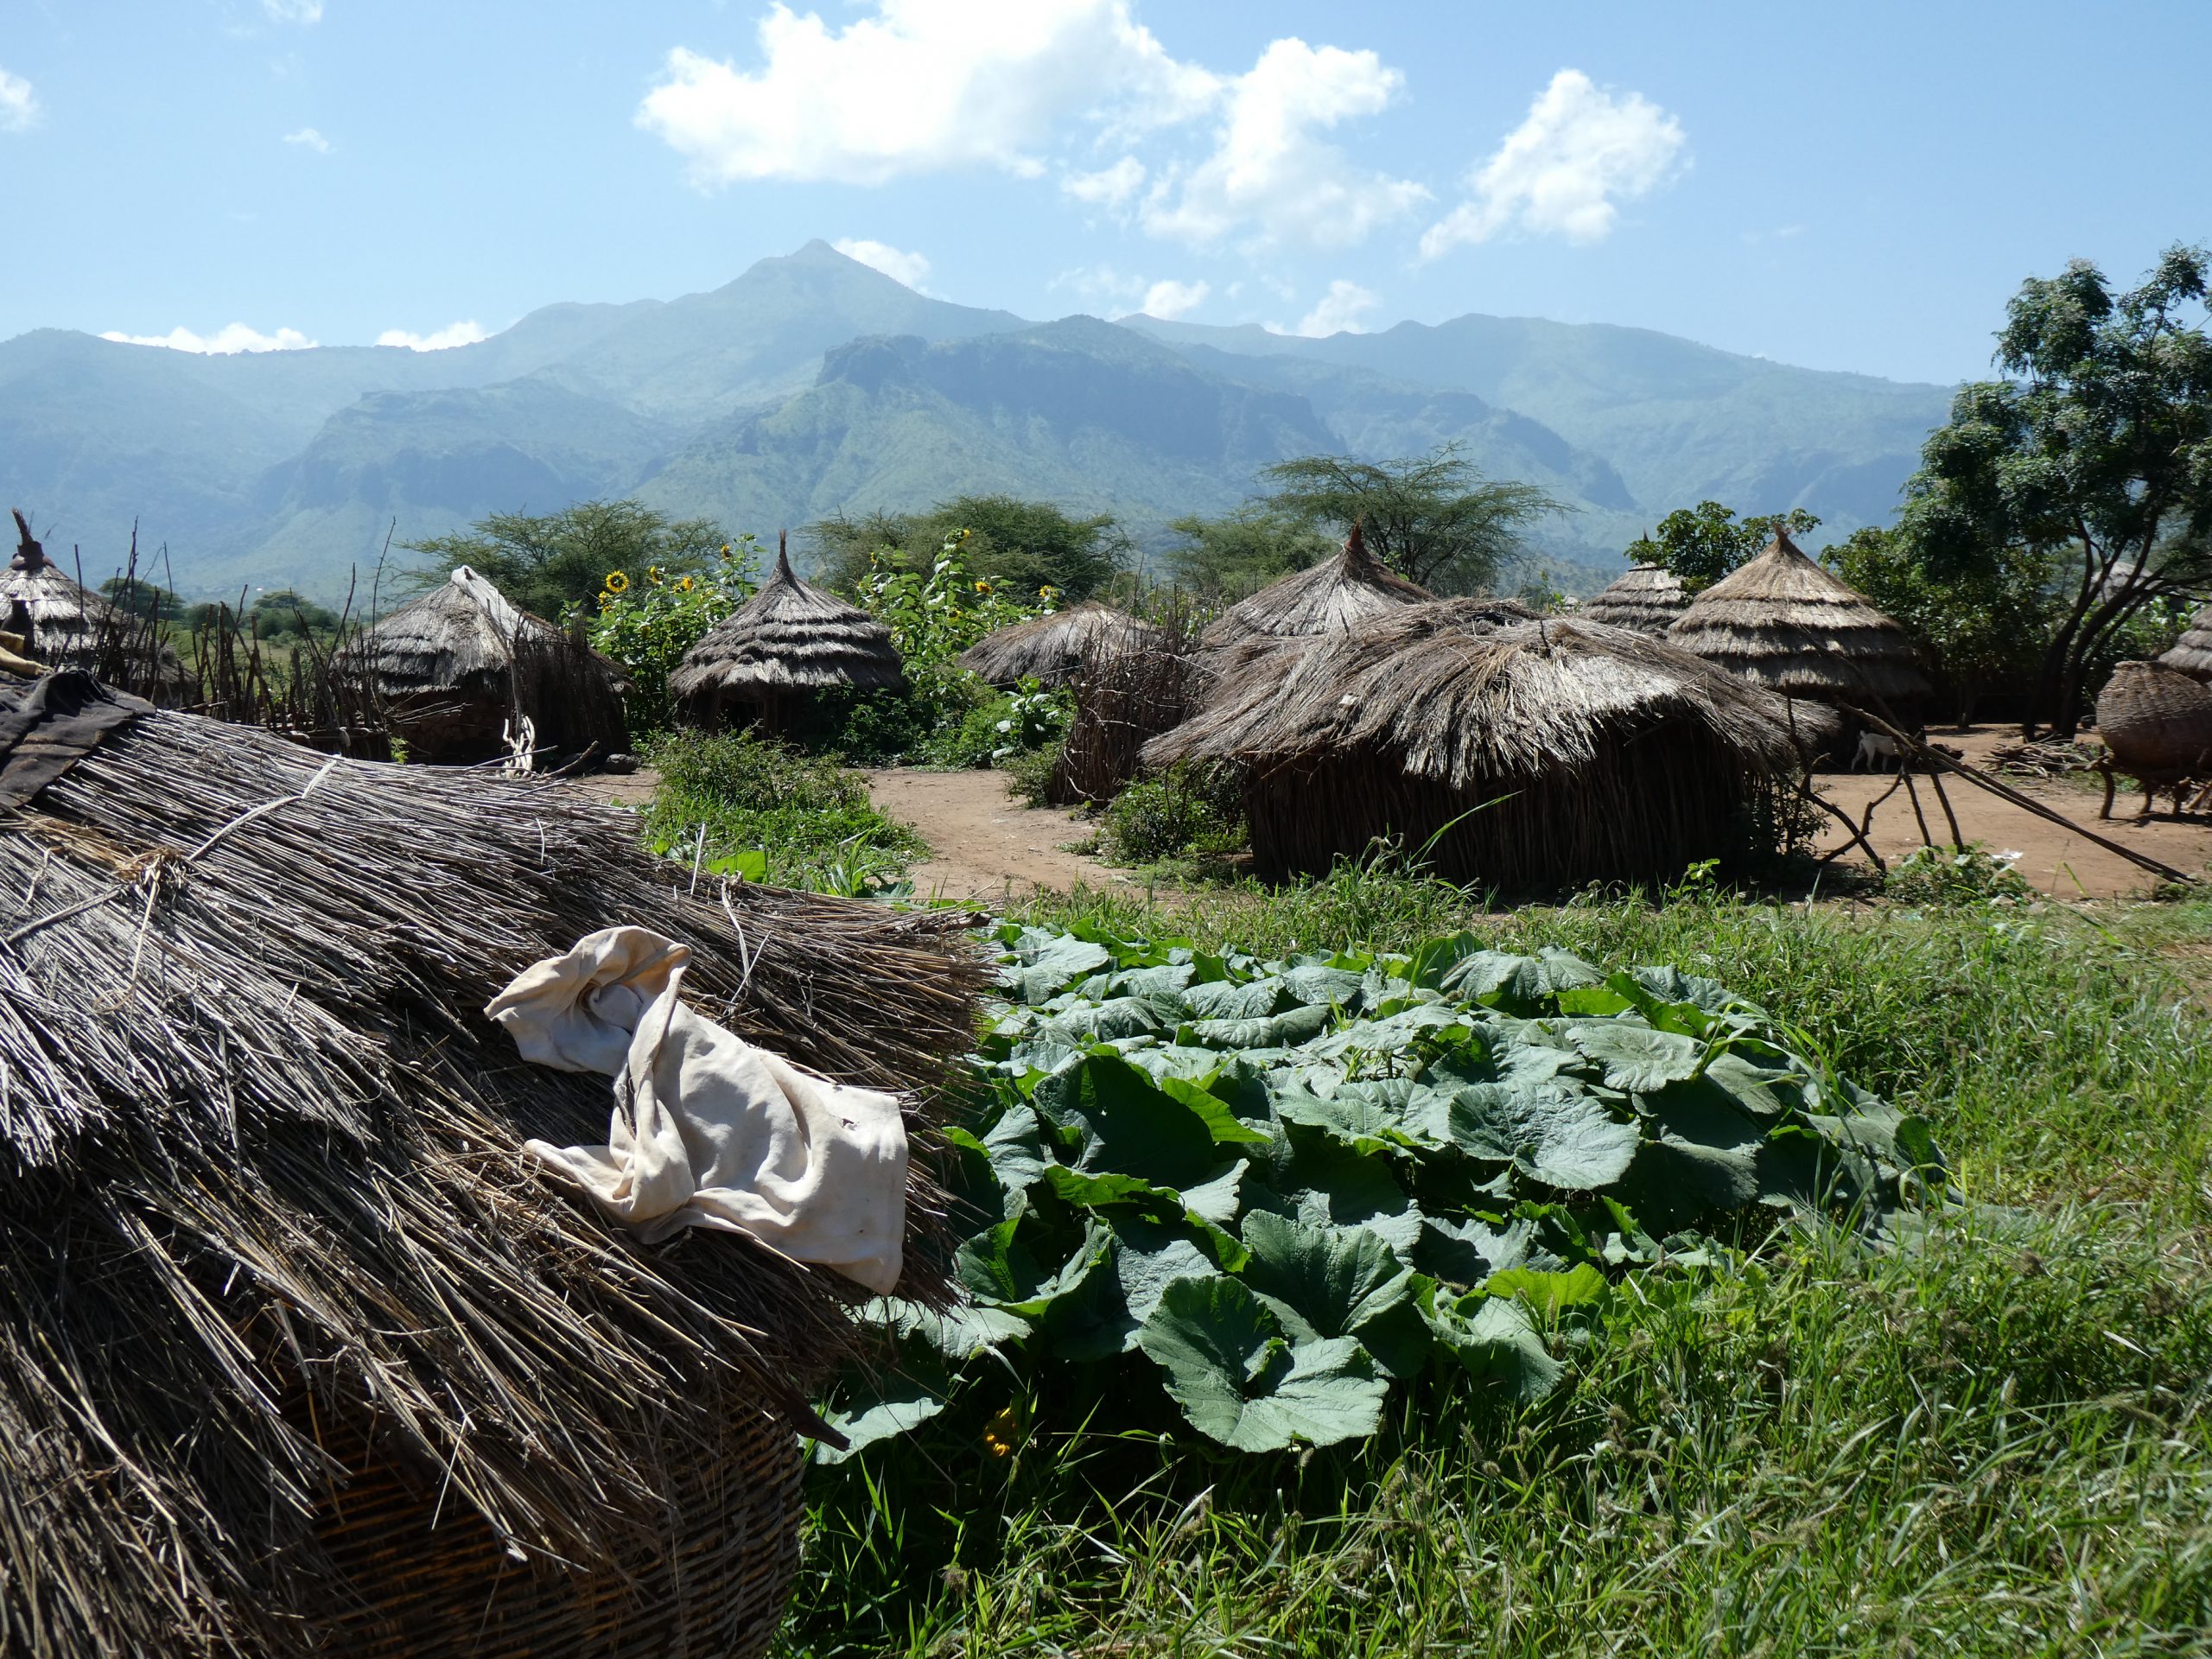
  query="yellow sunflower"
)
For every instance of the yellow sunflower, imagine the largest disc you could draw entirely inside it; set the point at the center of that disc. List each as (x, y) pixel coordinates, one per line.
(685, 584)
(618, 582)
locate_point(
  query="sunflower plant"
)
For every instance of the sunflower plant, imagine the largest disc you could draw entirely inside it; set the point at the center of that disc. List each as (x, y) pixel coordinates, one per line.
(646, 625)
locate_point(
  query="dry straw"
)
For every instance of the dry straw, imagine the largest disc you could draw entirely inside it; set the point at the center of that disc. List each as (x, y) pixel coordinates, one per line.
(1051, 649)
(1786, 623)
(1129, 689)
(1557, 751)
(1645, 597)
(279, 1291)
(2192, 652)
(788, 640)
(1334, 595)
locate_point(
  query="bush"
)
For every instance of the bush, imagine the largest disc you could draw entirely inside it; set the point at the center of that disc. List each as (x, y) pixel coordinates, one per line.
(1186, 812)
(1956, 875)
(648, 626)
(734, 803)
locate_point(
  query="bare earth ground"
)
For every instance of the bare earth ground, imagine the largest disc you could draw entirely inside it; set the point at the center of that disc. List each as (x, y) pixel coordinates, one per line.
(985, 844)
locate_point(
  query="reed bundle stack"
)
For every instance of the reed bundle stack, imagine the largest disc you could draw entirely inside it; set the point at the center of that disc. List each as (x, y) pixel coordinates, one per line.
(299, 1352)
(761, 664)
(1536, 753)
(458, 670)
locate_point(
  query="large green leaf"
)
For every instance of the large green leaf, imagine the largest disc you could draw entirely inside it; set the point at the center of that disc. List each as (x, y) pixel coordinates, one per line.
(1227, 1362)
(1636, 1058)
(1125, 1123)
(1468, 1252)
(1045, 963)
(1388, 1115)
(1336, 1281)
(901, 1401)
(999, 1271)
(1495, 1340)
(1558, 1135)
(1229, 999)
(1326, 1184)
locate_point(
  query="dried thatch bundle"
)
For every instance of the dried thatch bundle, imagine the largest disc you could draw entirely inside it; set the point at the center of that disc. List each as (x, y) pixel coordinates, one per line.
(1049, 649)
(63, 623)
(459, 668)
(1335, 595)
(790, 639)
(2192, 652)
(297, 1353)
(1786, 623)
(1645, 597)
(1618, 757)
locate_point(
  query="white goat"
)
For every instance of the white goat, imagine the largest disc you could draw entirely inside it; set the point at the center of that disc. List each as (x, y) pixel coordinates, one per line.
(1875, 747)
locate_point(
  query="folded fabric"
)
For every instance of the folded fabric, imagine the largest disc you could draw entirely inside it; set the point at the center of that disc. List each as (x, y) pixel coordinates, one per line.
(709, 1130)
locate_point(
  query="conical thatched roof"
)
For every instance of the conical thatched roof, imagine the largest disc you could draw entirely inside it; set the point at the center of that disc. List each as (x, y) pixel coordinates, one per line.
(65, 625)
(2192, 652)
(1049, 649)
(462, 635)
(791, 636)
(1645, 597)
(1620, 756)
(1788, 624)
(298, 1351)
(1335, 595)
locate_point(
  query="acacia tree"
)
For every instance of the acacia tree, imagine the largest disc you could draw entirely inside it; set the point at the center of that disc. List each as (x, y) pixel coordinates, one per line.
(1434, 519)
(1703, 543)
(550, 563)
(2096, 451)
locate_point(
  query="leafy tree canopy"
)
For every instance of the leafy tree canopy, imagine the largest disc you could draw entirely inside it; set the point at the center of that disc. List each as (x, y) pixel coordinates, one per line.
(1434, 519)
(1018, 546)
(281, 613)
(1241, 552)
(2094, 451)
(550, 563)
(136, 596)
(1703, 543)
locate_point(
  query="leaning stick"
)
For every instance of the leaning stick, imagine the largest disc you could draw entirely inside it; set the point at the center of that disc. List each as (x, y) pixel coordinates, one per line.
(1982, 780)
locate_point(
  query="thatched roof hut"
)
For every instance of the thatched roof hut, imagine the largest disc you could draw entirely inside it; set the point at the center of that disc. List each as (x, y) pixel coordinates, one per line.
(458, 670)
(2192, 652)
(299, 1351)
(1333, 596)
(1541, 753)
(65, 625)
(760, 663)
(1051, 649)
(1788, 625)
(1645, 597)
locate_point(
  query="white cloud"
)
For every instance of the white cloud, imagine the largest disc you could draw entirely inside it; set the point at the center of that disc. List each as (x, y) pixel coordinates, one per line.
(293, 11)
(19, 108)
(911, 269)
(1338, 312)
(236, 337)
(1102, 287)
(1169, 300)
(1268, 169)
(918, 87)
(1110, 186)
(309, 138)
(454, 333)
(1562, 170)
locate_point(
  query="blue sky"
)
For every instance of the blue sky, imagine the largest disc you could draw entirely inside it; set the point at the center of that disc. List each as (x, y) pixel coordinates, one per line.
(1853, 187)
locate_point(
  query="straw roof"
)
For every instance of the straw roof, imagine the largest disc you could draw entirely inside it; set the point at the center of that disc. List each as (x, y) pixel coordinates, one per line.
(65, 625)
(2192, 652)
(269, 1252)
(1792, 626)
(1049, 649)
(1333, 596)
(790, 637)
(1645, 597)
(1620, 756)
(453, 666)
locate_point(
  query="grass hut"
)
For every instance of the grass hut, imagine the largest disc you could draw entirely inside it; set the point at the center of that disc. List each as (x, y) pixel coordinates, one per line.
(1332, 597)
(458, 670)
(1786, 624)
(2192, 652)
(1539, 752)
(63, 623)
(763, 663)
(1051, 649)
(1645, 597)
(299, 1353)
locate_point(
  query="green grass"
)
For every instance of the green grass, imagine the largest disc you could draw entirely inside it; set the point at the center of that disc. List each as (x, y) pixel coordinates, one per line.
(733, 803)
(1995, 1444)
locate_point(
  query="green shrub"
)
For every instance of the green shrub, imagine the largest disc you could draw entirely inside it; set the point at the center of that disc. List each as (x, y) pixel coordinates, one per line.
(1956, 875)
(1185, 812)
(734, 803)
(648, 626)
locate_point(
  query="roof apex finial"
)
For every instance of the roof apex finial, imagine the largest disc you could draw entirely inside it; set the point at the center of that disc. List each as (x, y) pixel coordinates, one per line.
(30, 554)
(783, 556)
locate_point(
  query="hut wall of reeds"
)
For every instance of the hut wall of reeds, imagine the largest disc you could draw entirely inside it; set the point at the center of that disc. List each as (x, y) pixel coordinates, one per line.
(1051, 649)
(1129, 689)
(762, 663)
(1332, 597)
(64, 623)
(1523, 753)
(457, 671)
(1784, 623)
(2192, 652)
(1645, 597)
(298, 1353)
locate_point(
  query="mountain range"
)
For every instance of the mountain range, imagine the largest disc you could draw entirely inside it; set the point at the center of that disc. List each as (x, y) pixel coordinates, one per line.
(813, 383)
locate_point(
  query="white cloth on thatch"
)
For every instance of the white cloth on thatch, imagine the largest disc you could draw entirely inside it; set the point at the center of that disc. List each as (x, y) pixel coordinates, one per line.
(707, 1130)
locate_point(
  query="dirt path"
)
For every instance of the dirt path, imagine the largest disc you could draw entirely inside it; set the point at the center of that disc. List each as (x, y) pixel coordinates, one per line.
(2055, 862)
(984, 843)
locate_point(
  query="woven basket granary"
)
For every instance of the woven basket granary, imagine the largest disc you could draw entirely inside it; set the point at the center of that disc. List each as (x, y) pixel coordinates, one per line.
(2156, 722)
